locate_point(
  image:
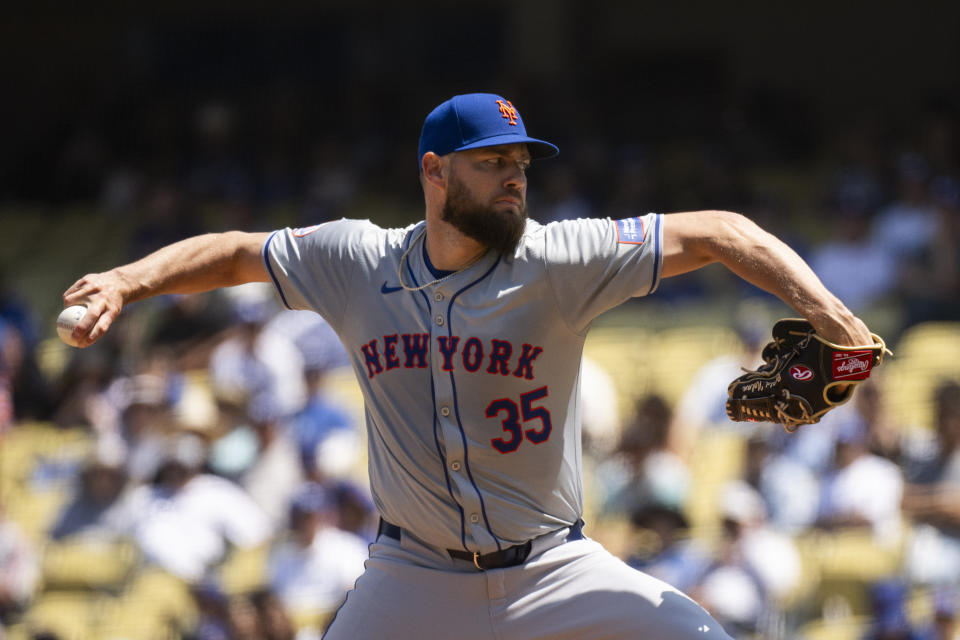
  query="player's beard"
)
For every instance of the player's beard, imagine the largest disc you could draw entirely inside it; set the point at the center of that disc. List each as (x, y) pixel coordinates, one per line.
(497, 229)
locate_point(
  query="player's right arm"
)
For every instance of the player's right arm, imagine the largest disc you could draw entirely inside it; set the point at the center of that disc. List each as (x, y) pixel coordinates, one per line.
(697, 238)
(194, 265)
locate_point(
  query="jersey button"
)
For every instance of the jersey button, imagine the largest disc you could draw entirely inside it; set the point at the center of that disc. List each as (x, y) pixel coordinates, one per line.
(438, 296)
(474, 518)
(455, 466)
(439, 320)
(444, 411)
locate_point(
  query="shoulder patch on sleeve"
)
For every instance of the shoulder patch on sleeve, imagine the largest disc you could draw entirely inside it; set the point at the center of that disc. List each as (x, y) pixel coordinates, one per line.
(630, 230)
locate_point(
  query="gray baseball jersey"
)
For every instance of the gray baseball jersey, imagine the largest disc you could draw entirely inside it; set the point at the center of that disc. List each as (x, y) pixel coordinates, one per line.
(471, 385)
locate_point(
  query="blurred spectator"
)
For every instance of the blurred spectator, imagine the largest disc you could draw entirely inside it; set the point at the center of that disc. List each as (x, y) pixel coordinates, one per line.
(356, 512)
(142, 405)
(885, 438)
(642, 470)
(932, 499)
(184, 520)
(851, 250)
(19, 571)
(243, 618)
(599, 409)
(944, 624)
(754, 569)
(15, 312)
(213, 619)
(312, 571)
(790, 491)
(905, 226)
(703, 403)
(27, 392)
(889, 616)
(861, 490)
(316, 340)
(276, 472)
(814, 446)
(86, 376)
(272, 619)
(94, 514)
(324, 431)
(255, 359)
(666, 550)
(189, 326)
(930, 281)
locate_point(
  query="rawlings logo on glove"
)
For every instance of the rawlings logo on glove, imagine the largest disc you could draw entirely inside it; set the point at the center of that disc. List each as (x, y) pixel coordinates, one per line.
(802, 377)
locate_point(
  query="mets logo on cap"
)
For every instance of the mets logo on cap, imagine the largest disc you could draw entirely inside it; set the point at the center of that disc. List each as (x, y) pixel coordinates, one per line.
(508, 112)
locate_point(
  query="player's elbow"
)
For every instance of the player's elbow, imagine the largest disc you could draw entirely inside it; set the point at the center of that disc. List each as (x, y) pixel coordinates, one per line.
(721, 233)
(730, 232)
(244, 259)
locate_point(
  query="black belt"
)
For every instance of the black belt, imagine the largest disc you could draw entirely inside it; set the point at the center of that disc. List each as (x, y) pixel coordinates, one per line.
(509, 557)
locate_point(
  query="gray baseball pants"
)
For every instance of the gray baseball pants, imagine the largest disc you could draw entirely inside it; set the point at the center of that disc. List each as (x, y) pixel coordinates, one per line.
(573, 590)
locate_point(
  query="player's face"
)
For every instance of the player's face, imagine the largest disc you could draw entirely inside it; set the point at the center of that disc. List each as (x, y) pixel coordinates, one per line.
(486, 195)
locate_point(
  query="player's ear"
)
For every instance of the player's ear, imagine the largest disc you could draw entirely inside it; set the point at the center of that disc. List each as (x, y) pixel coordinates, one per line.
(432, 168)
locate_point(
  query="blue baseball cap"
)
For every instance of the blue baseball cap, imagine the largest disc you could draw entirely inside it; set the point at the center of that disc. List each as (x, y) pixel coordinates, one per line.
(477, 120)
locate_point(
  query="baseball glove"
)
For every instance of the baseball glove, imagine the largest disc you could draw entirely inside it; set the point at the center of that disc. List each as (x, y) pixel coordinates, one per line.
(802, 377)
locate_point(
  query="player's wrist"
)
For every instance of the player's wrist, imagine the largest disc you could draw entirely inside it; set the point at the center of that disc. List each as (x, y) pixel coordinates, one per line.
(833, 321)
(124, 287)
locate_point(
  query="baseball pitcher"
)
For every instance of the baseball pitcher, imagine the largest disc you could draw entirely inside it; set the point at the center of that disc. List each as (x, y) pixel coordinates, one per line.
(465, 332)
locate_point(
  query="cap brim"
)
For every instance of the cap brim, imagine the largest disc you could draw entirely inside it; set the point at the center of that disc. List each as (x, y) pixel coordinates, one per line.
(538, 148)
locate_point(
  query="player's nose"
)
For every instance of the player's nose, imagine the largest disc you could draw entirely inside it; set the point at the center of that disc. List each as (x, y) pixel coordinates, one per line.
(516, 179)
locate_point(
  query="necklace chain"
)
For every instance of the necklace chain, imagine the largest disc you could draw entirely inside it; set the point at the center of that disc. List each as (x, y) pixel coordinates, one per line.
(406, 253)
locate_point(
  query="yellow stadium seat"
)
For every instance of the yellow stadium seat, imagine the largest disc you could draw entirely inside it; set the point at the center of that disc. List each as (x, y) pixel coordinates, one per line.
(926, 354)
(87, 565)
(68, 614)
(849, 628)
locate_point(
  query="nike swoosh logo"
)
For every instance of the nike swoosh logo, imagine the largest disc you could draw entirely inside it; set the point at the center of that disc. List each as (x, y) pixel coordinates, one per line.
(507, 291)
(385, 289)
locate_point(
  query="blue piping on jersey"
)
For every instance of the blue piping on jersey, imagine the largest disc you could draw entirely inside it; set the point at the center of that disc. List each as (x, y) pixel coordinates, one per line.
(436, 438)
(456, 407)
(657, 253)
(266, 263)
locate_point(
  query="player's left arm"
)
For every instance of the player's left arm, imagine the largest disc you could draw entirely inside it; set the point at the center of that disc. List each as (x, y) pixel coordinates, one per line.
(694, 239)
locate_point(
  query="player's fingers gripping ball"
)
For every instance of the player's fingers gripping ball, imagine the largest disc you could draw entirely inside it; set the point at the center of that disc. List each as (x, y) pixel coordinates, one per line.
(802, 377)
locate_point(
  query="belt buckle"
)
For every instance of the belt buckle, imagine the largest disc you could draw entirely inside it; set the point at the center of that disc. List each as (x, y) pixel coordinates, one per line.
(476, 559)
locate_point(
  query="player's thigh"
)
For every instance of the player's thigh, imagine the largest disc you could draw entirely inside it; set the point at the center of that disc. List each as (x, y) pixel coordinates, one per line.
(579, 590)
(402, 601)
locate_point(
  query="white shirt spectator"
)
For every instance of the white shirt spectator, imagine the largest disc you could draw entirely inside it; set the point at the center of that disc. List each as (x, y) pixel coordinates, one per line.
(187, 532)
(317, 577)
(874, 266)
(870, 487)
(19, 565)
(275, 365)
(274, 477)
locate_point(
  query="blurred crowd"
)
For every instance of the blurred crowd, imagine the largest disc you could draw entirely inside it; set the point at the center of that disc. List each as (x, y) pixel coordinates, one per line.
(853, 519)
(210, 432)
(876, 195)
(210, 429)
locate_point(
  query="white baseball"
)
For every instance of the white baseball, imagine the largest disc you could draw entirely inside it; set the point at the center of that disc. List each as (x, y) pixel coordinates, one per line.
(66, 322)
